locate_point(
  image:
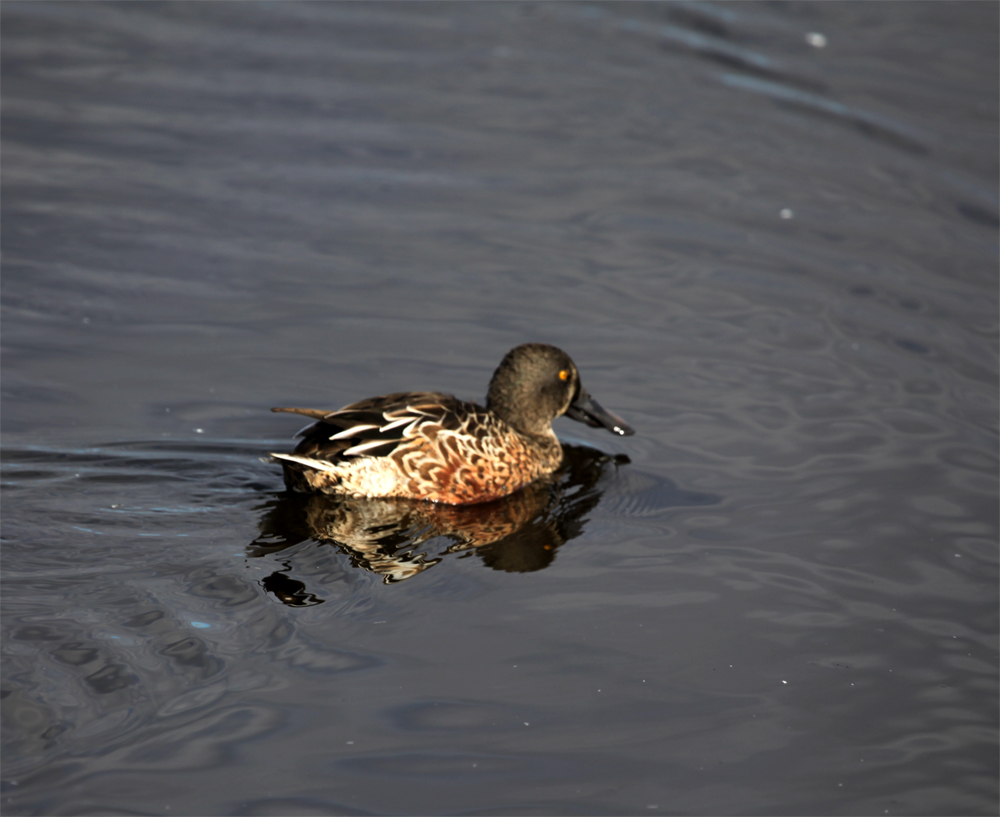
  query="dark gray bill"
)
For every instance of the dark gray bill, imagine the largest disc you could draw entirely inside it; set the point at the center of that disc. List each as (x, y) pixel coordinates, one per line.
(587, 410)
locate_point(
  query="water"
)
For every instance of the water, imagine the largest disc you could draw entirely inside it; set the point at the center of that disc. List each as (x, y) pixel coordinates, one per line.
(776, 260)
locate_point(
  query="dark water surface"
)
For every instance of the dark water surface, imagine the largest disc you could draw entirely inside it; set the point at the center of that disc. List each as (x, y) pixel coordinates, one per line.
(775, 255)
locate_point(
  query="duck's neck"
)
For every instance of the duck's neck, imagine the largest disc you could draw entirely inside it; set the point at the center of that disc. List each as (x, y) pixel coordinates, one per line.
(550, 449)
(525, 422)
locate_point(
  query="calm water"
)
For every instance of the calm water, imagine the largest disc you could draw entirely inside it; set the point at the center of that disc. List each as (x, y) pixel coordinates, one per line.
(767, 234)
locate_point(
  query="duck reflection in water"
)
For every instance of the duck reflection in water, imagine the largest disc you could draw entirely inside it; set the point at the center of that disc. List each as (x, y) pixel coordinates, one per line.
(392, 537)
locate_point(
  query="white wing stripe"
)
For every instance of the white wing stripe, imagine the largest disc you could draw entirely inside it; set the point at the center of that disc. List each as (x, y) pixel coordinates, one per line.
(319, 465)
(350, 432)
(422, 411)
(367, 446)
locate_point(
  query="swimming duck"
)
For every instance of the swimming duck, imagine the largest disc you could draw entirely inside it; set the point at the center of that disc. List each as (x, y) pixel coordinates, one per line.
(432, 446)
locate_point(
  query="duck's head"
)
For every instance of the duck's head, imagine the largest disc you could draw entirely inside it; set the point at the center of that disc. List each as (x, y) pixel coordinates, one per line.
(535, 383)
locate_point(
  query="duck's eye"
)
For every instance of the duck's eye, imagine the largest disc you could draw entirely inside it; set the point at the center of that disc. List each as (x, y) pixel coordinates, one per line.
(564, 374)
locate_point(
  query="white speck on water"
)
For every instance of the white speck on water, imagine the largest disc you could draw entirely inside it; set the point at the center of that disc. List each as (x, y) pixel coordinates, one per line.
(784, 682)
(199, 431)
(350, 743)
(816, 40)
(527, 724)
(786, 214)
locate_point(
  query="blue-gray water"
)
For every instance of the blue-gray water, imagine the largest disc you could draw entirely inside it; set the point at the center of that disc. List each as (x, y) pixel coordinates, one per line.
(766, 233)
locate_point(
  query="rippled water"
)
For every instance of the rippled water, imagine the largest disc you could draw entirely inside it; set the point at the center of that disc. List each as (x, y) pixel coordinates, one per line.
(767, 234)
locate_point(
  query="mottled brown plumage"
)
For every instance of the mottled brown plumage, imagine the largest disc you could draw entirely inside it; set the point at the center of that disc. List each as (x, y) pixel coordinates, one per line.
(432, 446)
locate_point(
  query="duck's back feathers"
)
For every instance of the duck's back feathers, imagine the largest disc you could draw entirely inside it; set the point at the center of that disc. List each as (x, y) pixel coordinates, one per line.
(375, 426)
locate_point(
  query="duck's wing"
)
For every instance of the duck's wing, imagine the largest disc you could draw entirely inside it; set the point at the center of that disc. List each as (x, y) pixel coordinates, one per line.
(373, 427)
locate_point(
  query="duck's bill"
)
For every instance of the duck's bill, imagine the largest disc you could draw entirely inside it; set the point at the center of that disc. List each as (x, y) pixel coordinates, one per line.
(586, 409)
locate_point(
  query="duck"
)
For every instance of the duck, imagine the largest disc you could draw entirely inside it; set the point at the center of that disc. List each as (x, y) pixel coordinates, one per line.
(434, 447)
